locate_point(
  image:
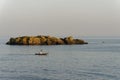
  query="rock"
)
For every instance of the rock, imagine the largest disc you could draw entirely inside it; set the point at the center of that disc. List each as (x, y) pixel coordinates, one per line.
(44, 40)
(69, 40)
(60, 42)
(36, 41)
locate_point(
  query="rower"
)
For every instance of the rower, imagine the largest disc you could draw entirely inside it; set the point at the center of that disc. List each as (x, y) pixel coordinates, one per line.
(41, 51)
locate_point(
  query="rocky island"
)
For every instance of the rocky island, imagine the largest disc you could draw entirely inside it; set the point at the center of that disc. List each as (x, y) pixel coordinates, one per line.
(44, 40)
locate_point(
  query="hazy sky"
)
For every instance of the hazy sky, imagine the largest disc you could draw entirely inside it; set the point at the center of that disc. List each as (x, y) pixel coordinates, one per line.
(60, 17)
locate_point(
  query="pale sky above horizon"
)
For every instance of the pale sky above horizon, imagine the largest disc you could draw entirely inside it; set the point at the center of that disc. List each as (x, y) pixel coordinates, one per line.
(60, 17)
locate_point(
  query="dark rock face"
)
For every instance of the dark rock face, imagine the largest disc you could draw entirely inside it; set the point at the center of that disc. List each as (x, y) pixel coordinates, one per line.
(44, 40)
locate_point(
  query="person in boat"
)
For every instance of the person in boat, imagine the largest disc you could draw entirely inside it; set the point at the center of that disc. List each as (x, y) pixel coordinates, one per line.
(41, 51)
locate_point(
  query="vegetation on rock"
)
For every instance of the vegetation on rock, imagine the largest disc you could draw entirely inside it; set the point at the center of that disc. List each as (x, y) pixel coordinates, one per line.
(44, 40)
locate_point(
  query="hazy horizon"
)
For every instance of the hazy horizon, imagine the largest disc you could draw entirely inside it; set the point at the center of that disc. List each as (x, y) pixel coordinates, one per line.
(60, 17)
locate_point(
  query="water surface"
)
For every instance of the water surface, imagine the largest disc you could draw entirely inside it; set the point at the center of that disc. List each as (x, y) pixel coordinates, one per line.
(95, 61)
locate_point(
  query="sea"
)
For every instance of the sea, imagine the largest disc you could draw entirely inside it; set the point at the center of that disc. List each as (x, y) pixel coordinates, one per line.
(97, 60)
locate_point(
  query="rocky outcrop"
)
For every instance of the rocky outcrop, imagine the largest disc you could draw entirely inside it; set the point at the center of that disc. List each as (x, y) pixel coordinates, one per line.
(44, 40)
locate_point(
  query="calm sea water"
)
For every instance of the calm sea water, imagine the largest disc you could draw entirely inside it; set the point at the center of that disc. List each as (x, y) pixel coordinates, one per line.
(94, 61)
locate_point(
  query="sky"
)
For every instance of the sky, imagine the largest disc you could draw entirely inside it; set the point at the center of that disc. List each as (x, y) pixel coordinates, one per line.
(60, 17)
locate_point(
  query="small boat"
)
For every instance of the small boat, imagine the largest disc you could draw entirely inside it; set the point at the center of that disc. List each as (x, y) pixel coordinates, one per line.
(43, 53)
